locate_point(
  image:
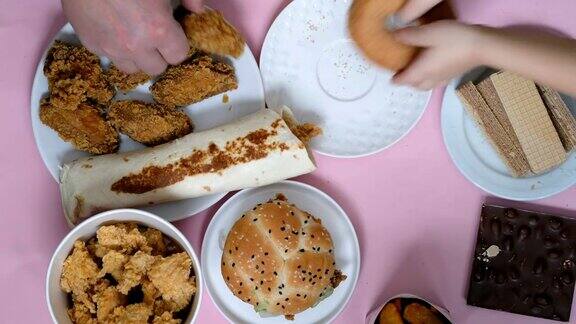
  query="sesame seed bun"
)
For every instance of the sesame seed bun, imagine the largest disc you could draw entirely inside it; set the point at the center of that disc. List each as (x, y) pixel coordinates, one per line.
(280, 259)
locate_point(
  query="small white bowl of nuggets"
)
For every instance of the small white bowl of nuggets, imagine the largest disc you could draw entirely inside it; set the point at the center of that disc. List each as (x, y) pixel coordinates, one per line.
(124, 265)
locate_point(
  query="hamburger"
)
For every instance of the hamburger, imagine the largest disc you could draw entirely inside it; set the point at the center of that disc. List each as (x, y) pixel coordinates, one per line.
(279, 259)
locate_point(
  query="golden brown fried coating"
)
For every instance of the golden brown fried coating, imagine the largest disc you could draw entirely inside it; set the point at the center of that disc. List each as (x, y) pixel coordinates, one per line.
(134, 271)
(79, 274)
(171, 275)
(165, 318)
(84, 127)
(193, 81)
(155, 240)
(420, 314)
(106, 301)
(122, 239)
(124, 81)
(149, 124)
(113, 263)
(80, 314)
(73, 71)
(210, 32)
(390, 314)
(131, 314)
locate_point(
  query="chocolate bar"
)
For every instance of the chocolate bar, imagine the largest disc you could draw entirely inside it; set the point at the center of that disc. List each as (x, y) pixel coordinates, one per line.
(524, 263)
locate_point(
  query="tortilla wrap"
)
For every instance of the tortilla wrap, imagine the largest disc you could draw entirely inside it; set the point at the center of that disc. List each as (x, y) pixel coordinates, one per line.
(253, 151)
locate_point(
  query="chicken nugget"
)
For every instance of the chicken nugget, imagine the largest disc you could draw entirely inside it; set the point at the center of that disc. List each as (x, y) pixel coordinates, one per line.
(210, 32)
(171, 275)
(420, 314)
(106, 301)
(390, 314)
(193, 81)
(122, 239)
(79, 274)
(155, 240)
(134, 271)
(84, 127)
(149, 124)
(131, 314)
(124, 81)
(113, 263)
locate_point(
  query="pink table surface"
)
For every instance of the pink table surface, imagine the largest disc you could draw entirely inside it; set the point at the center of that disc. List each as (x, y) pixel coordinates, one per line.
(416, 216)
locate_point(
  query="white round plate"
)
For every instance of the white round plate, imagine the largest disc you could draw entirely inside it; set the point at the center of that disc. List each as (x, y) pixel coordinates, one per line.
(248, 98)
(479, 163)
(307, 198)
(309, 63)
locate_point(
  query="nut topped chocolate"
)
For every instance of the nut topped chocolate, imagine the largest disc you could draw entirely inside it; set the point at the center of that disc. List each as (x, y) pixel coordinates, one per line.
(524, 263)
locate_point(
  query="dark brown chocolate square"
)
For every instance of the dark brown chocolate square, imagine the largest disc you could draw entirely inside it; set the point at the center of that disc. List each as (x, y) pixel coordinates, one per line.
(524, 263)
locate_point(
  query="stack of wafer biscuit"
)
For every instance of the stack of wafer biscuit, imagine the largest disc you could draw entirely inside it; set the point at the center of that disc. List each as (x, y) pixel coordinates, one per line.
(529, 125)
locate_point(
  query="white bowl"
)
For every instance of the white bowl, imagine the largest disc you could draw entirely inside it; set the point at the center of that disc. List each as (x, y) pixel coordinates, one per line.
(57, 299)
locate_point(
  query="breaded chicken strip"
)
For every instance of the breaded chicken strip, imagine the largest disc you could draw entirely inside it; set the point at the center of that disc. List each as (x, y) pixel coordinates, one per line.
(74, 75)
(149, 124)
(79, 274)
(193, 81)
(84, 127)
(210, 32)
(124, 81)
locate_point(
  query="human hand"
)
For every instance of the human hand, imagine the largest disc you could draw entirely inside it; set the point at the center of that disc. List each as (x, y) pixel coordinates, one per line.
(449, 49)
(414, 9)
(137, 35)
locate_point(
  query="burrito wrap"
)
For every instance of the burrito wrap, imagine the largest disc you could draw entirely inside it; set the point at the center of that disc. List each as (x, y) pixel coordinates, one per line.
(256, 150)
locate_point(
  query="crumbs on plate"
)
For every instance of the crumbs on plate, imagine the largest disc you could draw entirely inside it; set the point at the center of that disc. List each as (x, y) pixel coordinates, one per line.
(128, 273)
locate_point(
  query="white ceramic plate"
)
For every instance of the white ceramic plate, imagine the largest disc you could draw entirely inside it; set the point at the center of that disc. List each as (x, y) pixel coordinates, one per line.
(346, 249)
(309, 63)
(478, 161)
(248, 98)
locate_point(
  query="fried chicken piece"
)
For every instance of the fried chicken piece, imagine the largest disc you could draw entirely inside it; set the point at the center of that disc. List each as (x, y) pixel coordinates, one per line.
(171, 275)
(73, 71)
(113, 263)
(131, 314)
(155, 240)
(134, 271)
(122, 239)
(149, 292)
(390, 314)
(149, 124)
(80, 314)
(210, 32)
(106, 301)
(79, 274)
(84, 127)
(165, 318)
(193, 81)
(124, 81)
(419, 314)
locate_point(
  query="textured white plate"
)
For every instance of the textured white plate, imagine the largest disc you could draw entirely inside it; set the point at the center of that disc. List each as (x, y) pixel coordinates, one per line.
(309, 63)
(248, 98)
(479, 162)
(346, 249)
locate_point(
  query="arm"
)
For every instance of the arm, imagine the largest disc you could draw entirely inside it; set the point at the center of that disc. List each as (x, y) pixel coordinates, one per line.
(134, 34)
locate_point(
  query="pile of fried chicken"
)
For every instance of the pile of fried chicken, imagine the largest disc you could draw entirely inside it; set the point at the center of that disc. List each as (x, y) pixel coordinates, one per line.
(81, 108)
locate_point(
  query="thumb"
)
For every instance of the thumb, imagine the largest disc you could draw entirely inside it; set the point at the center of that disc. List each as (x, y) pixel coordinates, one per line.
(194, 5)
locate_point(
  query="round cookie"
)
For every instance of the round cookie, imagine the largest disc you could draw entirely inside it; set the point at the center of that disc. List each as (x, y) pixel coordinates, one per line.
(367, 23)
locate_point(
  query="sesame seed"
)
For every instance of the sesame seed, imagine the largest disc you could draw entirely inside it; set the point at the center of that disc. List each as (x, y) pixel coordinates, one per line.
(299, 266)
(239, 292)
(265, 253)
(320, 278)
(236, 248)
(254, 208)
(295, 232)
(248, 300)
(261, 281)
(330, 251)
(301, 250)
(292, 213)
(283, 307)
(252, 256)
(251, 279)
(298, 295)
(312, 235)
(282, 228)
(315, 276)
(313, 283)
(286, 238)
(303, 279)
(287, 299)
(229, 251)
(255, 219)
(269, 231)
(262, 262)
(257, 303)
(257, 266)
(227, 278)
(304, 271)
(305, 222)
(223, 263)
(233, 264)
(277, 304)
(280, 292)
(305, 296)
(256, 287)
(269, 289)
(275, 273)
(240, 283)
(319, 270)
(309, 273)
(262, 272)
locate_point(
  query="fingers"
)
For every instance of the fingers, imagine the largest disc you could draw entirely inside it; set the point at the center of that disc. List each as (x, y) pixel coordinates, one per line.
(150, 62)
(414, 9)
(422, 36)
(417, 74)
(173, 45)
(126, 66)
(194, 5)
